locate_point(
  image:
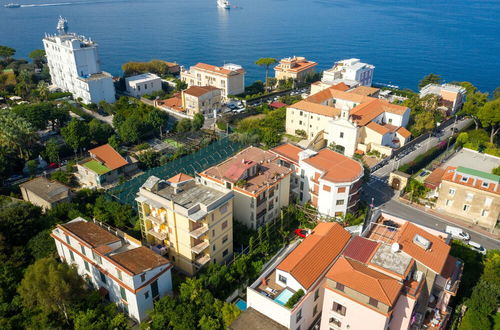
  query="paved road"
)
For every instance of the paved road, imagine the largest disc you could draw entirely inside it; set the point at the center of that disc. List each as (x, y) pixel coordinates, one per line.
(105, 119)
(384, 198)
(424, 146)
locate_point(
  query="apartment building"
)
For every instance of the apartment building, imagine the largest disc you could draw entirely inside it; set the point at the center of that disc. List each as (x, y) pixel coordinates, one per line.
(469, 194)
(201, 99)
(302, 267)
(187, 221)
(75, 67)
(45, 193)
(260, 184)
(126, 273)
(143, 84)
(296, 68)
(350, 120)
(229, 78)
(397, 275)
(349, 71)
(452, 97)
(328, 180)
(103, 167)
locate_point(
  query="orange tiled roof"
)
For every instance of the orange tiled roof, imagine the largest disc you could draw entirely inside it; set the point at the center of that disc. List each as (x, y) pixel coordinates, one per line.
(181, 177)
(90, 233)
(434, 258)
(298, 66)
(288, 151)
(476, 184)
(316, 108)
(109, 156)
(434, 179)
(199, 90)
(217, 69)
(377, 128)
(335, 167)
(364, 90)
(341, 87)
(174, 103)
(367, 281)
(403, 132)
(311, 257)
(334, 92)
(139, 260)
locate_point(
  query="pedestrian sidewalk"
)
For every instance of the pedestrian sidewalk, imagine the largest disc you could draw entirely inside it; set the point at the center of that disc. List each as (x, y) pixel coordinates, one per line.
(451, 219)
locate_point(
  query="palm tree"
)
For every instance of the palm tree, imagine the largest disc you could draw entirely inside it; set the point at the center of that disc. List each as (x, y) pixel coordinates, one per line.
(16, 133)
(43, 90)
(267, 62)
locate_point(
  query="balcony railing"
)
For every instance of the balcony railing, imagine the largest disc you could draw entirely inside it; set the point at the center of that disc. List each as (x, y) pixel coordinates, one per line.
(198, 248)
(160, 236)
(156, 220)
(201, 261)
(198, 232)
(260, 202)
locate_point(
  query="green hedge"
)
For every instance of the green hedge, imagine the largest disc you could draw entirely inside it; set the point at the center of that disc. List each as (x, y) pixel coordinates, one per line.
(294, 299)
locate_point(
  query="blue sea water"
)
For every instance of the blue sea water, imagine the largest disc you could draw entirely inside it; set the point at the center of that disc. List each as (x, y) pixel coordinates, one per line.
(404, 39)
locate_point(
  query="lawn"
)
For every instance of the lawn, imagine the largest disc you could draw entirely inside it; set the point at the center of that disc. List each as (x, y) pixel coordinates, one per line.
(173, 143)
(97, 167)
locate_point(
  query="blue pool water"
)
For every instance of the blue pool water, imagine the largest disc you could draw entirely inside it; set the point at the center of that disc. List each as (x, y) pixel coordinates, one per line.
(241, 304)
(283, 297)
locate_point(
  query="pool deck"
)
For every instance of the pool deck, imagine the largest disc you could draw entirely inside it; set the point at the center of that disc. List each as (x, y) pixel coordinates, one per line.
(271, 283)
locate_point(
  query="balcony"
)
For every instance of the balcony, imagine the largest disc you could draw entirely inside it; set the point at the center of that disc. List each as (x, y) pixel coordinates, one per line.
(198, 232)
(198, 248)
(201, 261)
(156, 220)
(160, 236)
(260, 202)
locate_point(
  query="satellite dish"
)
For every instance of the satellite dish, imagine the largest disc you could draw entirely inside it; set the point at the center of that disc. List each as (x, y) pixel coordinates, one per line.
(394, 247)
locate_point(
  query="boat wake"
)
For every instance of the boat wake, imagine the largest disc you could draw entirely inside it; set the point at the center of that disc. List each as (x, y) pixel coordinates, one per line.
(47, 4)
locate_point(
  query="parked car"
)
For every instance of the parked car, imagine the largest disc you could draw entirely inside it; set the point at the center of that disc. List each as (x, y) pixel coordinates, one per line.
(53, 165)
(300, 232)
(457, 233)
(477, 247)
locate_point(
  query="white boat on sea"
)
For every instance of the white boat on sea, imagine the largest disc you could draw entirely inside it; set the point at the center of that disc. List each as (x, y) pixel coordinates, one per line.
(224, 4)
(12, 5)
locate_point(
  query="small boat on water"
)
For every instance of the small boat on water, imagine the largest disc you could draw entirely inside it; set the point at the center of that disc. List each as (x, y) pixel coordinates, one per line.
(12, 5)
(224, 4)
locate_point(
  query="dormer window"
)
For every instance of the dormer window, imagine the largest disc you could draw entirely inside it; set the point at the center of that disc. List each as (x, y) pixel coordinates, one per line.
(485, 184)
(465, 179)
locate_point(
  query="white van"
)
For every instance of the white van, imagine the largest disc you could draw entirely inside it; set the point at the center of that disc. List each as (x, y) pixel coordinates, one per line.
(477, 247)
(457, 233)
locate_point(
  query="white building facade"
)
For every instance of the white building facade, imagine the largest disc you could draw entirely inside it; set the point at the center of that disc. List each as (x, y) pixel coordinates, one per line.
(126, 273)
(75, 67)
(142, 84)
(350, 70)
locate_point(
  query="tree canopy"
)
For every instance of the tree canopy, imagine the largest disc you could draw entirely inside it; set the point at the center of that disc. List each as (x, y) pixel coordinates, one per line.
(6, 52)
(431, 78)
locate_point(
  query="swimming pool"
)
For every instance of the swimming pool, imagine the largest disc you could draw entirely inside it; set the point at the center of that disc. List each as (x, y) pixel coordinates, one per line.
(241, 304)
(283, 297)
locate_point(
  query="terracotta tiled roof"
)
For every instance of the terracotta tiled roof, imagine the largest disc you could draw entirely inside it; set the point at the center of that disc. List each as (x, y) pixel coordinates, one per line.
(403, 132)
(288, 151)
(108, 156)
(277, 104)
(90, 233)
(174, 103)
(298, 66)
(341, 87)
(434, 179)
(318, 250)
(139, 260)
(200, 90)
(493, 186)
(334, 93)
(449, 267)
(217, 69)
(336, 167)
(367, 281)
(181, 177)
(366, 112)
(364, 90)
(316, 108)
(434, 257)
(377, 128)
(360, 249)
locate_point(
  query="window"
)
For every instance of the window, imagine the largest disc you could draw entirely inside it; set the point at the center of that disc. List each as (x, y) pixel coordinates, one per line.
(224, 225)
(469, 196)
(465, 179)
(301, 185)
(213, 232)
(302, 173)
(72, 256)
(466, 207)
(154, 289)
(449, 202)
(300, 122)
(485, 184)
(282, 279)
(299, 316)
(338, 308)
(390, 120)
(484, 213)
(301, 197)
(340, 202)
(335, 322)
(373, 302)
(143, 277)
(224, 239)
(223, 209)
(213, 247)
(452, 191)
(339, 286)
(300, 113)
(83, 249)
(341, 190)
(341, 134)
(226, 251)
(327, 188)
(119, 272)
(316, 294)
(103, 277)
(86, 265)
(67, 239)
(146, 295)
(123, 294)
(487, 201)
(315, 310)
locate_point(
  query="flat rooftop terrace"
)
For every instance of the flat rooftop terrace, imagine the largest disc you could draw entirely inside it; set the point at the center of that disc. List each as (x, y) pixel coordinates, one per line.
(191, 194)
(473, 159)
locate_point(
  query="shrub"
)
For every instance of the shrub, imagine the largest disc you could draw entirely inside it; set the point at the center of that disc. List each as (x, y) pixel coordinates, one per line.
(301, 133)
(294, 299)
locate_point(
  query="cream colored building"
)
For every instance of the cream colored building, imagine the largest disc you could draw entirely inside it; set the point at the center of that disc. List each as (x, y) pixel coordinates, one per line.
(471, 195)
(45, 193)
(230, 78)
(296, 68)
(260, 184)
(201, 99)
(186, 220)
